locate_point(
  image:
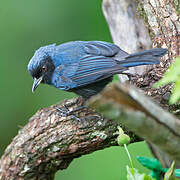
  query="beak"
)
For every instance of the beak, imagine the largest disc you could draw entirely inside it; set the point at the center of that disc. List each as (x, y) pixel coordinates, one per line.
(36, 83)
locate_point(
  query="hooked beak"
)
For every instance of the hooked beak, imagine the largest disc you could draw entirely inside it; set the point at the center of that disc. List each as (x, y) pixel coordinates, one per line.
(36, 83)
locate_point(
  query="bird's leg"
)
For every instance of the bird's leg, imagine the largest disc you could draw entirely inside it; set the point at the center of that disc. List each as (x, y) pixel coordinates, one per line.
(66, 112)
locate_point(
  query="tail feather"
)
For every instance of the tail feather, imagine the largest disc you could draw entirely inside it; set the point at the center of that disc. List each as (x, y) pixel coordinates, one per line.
(146, 57)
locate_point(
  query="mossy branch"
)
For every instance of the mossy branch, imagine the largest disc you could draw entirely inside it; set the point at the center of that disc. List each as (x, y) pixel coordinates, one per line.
(142, 24)
(130, 107)
(50, 142)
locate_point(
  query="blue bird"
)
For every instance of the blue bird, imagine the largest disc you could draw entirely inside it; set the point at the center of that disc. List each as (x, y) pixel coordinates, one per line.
(85, 67)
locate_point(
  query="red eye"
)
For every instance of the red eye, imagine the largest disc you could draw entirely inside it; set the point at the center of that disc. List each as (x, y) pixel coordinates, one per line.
(44, 69)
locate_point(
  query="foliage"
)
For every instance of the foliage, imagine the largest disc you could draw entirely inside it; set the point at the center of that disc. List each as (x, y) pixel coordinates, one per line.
(172, 75)
(151, 163)
(170, 173)
(155, 166)
(134, 174)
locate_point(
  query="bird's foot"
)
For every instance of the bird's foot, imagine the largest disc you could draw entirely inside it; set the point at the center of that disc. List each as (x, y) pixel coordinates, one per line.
(64, 112)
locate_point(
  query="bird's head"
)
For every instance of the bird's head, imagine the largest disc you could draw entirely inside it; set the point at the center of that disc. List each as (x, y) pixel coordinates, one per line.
(41, 66)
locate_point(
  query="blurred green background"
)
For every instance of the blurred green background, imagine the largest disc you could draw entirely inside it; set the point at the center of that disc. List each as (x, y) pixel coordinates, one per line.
(27, 25)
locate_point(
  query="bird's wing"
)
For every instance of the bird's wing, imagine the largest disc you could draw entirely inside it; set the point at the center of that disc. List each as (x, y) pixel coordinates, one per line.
(97, 63)
(94, 64)
(100, 48)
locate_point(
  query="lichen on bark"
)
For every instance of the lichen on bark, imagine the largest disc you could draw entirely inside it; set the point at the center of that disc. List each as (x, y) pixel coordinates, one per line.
(50, 141)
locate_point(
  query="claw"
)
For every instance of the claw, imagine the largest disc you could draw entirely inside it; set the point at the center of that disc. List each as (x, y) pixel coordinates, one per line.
(64, 112)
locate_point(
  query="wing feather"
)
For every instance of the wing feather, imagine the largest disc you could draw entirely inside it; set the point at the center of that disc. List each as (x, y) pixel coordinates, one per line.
(95, 64)
(95, 71)
(100, 48)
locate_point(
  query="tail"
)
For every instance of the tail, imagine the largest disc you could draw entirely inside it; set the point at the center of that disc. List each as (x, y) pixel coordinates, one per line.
(146, 57)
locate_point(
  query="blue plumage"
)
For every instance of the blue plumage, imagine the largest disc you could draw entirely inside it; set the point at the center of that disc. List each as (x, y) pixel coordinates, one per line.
(85, 67)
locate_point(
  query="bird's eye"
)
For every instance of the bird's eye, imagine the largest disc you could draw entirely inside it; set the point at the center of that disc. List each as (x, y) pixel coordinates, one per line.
(44, 69)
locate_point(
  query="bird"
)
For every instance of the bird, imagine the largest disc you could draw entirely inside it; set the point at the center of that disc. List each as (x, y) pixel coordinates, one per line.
(85, 67)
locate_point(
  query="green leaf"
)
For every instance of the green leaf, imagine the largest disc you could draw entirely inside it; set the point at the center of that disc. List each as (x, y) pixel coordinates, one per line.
(154, 165)
(177, 172)
(133, 174)
(116, 78)
(175, 97)
(150, 163)
(171, 75)
(170, 173)
(156, 175)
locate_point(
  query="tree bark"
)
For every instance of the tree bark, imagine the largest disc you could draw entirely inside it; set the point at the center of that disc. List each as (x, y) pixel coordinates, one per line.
(49, 142)
(136, 25)
(142, 116)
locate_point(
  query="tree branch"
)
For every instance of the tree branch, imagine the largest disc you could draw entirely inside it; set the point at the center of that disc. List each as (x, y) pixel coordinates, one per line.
(50, 142)
(141, 115)
(133, 25)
